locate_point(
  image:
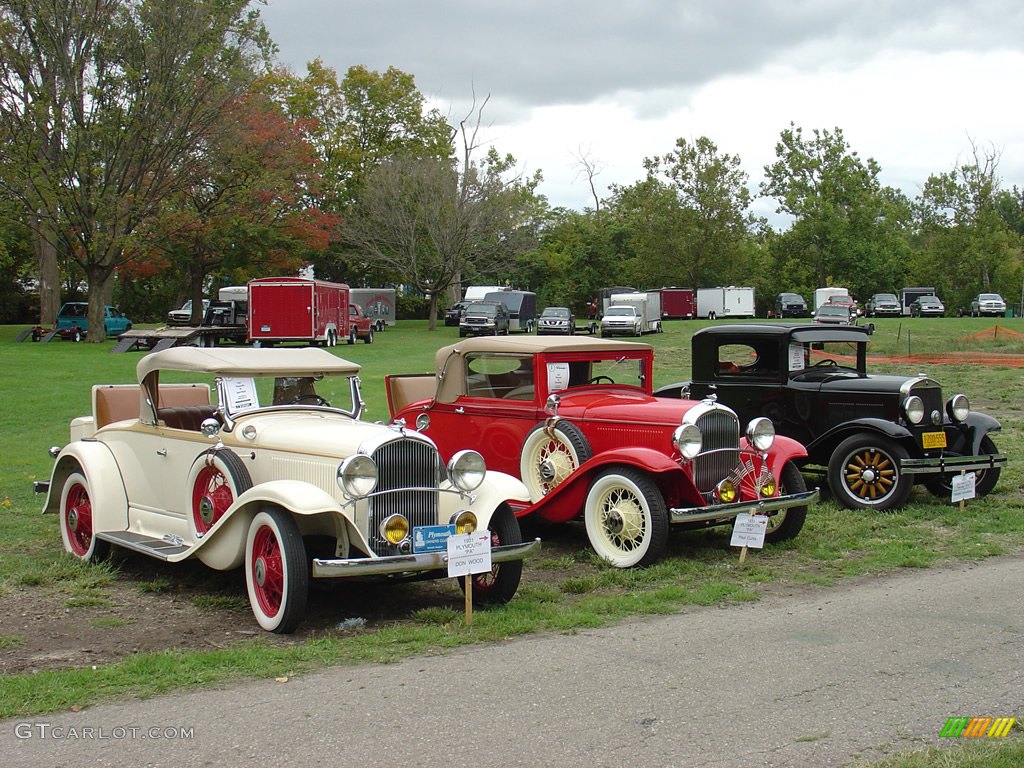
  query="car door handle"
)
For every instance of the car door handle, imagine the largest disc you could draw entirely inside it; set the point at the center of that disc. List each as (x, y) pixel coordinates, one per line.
(460, 409)
(162, 452)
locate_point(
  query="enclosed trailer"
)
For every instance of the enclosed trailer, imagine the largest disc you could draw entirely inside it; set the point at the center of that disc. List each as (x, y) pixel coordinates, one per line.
(822, 295)
(604, 296)
(647, 305)
(678, 303)
(521, 306)
(729, 301)
(297, 309)
(909, 295)
(378, 304)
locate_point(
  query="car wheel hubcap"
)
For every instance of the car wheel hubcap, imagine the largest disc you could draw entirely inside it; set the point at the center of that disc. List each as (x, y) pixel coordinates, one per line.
(73, 520)
(547, 471)
(260, 571)
(870, 475)
(206, 509)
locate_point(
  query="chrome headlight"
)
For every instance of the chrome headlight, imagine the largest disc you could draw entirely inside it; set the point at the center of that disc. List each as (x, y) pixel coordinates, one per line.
(958, 407)
(467, 470)
(688, 440)
(761, 433)
(913, 407)
(357, 475)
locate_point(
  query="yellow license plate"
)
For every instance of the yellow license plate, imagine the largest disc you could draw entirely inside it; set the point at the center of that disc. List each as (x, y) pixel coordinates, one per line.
(933, 439)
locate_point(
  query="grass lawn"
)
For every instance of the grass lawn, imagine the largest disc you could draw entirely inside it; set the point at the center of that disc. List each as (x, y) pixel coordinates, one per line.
(43, 386)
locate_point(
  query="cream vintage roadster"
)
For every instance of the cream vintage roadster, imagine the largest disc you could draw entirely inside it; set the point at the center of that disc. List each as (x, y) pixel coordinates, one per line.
(269, 465)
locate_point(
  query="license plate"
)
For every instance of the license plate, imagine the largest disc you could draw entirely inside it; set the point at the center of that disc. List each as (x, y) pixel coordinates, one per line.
(933, 439)
(431, 538)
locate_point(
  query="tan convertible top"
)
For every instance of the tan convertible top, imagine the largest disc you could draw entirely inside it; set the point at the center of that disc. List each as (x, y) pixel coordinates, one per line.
(529, 345)
(246, 361)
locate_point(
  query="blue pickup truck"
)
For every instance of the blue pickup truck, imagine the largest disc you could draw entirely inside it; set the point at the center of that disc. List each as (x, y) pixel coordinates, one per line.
(73, 321)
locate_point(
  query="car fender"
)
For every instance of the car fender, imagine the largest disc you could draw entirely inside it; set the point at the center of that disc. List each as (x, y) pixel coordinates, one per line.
(565, 501)
(496, 489)
(828, 441)
(223, 546)
(784, 449)
(978, 425)
(106, 489)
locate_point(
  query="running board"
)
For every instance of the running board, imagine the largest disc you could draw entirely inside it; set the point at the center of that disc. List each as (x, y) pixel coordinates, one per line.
(162, 549)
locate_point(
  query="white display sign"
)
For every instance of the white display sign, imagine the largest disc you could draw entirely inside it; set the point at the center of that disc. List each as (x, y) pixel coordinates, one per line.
(749, 530)
(558, 376)
(796, 357)
(963, 487)
(241, 394)
(469, 553)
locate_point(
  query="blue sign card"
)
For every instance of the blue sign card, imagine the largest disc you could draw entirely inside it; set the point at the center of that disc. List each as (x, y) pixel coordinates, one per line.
(431, 538)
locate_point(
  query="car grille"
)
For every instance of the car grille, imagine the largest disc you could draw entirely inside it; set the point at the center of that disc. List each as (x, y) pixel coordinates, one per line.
(720, 453)
(404, 464)
(931, 396)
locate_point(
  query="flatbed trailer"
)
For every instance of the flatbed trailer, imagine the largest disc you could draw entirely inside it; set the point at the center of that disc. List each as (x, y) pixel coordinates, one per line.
(154, 339)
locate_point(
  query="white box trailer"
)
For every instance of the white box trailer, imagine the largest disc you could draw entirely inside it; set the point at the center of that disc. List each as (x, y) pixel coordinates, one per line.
(725, 302)
(822, 295)
(648, 307)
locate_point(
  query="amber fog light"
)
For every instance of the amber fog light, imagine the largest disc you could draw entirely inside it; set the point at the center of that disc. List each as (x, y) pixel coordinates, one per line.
(726, 491)
(768, 488)
(958, 407)
(395, 529)
(464, 521)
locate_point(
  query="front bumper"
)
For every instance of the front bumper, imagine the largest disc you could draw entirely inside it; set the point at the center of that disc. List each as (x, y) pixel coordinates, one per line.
(729, 511)
(331, 568)
(941, 465)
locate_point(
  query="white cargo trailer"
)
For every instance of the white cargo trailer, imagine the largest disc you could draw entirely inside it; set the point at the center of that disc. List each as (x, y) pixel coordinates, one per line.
(647, 305)
(725, 302)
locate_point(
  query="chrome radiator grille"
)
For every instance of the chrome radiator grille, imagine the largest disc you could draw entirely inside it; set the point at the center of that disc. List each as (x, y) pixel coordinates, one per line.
(404, 464)
(720, 453)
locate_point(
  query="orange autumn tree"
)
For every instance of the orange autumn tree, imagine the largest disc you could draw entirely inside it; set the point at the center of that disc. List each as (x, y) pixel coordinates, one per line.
(251, 212)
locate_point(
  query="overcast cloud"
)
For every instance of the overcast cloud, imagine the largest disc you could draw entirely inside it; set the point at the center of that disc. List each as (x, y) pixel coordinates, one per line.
(911, 83)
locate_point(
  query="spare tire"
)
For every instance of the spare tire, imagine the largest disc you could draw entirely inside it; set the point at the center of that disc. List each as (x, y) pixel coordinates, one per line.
(551, 452)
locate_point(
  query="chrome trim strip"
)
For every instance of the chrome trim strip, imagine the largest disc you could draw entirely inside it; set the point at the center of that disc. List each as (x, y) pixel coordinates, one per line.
(427, 561)
(942, 464)
(725, 511)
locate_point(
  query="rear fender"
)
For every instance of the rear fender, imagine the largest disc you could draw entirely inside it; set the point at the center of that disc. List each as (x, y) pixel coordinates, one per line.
(106, 489)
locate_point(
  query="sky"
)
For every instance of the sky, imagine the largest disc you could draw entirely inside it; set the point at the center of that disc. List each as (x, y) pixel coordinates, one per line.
(915, 84)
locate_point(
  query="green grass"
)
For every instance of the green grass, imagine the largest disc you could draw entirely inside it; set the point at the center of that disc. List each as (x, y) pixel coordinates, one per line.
(44, 386)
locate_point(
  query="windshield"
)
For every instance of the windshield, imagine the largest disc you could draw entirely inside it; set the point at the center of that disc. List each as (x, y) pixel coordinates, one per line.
(990, 297)
(620, 311)
(555, 312)
(886, 297)
(837, 311)
(483, 309)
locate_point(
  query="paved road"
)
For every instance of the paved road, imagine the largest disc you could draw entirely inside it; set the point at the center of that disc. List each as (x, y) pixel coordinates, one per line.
(822, 678)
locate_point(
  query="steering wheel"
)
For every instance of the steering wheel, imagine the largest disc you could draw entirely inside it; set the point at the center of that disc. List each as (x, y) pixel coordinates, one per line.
(826, 361)
(308, 400)
(599, 379)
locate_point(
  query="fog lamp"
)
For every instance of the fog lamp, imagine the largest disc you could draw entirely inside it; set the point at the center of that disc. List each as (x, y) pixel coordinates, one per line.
(464, 521)
(726, 491)
(394, 529)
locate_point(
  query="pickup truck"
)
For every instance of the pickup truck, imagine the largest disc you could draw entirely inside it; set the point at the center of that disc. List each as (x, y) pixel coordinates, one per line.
(360, 326)
(73, 321)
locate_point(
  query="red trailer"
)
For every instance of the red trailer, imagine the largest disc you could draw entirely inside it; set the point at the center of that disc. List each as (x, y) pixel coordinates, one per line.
(678, 303)
(298, 309)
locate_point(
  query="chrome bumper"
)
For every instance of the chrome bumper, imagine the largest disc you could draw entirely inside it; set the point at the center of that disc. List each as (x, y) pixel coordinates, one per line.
(945, 464)
(727, 511)
(425, 561)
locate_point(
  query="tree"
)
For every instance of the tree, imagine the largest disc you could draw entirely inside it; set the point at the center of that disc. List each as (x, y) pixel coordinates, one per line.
(246, 210)
(965, 235)
(847, 227)
(426, 219)
(108, 107)
(690, 215)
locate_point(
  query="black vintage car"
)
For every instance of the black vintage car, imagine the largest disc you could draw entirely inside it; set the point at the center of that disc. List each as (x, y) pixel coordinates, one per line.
(872, 435)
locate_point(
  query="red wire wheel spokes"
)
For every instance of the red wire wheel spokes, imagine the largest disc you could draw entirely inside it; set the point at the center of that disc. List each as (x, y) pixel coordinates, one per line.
(211, 498)
(78, 519)
(267, 571)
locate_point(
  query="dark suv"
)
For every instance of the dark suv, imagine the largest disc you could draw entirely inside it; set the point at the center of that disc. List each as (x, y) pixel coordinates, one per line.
(872, 435)
(791, 305)
(484, 318)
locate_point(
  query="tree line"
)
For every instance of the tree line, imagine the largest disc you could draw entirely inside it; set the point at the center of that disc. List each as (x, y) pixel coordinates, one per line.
(151, 151)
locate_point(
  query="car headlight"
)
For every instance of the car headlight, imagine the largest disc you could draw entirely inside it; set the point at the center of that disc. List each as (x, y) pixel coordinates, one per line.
(913, 407)
(688, 440)
(357, 475)
(464, 521)
(761, 433)
(467, 470)
(958, 407)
